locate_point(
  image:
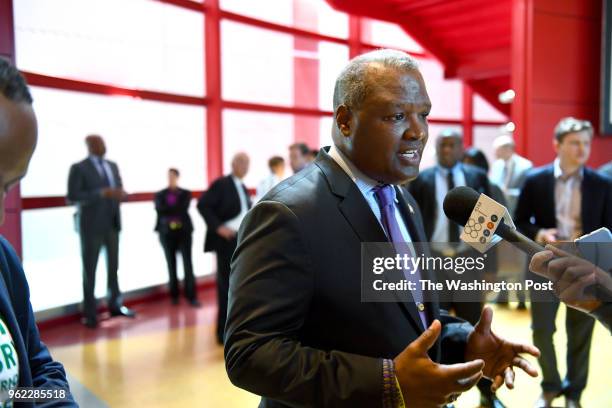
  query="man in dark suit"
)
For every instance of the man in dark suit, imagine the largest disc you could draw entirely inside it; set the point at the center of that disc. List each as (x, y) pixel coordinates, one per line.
(223, 206)
(429, 190)
(27, 361)
(560, 202)
(94, 185)
(297, 332)
(175, 235)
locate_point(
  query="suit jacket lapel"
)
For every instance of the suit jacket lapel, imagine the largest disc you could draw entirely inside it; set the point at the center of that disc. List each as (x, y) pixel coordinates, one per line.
(419, 240)
(359, 216)
(549, 193)
(588, 195)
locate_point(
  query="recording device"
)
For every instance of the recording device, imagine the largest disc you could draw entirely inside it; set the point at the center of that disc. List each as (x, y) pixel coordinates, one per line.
(459, 206)
(468, 208)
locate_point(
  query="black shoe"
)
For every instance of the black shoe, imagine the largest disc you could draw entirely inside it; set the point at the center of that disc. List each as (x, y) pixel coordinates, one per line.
(123, 311)
(490, 401)
(195, 303)
(90, 322)
(521, 306)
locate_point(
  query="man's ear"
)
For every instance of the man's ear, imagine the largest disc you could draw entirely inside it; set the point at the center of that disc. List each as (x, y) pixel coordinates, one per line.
(344, 120)
(556, 144)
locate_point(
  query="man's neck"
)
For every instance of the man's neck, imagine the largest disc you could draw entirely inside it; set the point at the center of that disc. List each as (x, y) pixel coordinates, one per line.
(568, 168)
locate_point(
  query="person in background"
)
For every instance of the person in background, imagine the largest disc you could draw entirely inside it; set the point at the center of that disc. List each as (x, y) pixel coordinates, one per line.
(223, 206)
(95, 186)
(429, 190)
(477, 158)
(560, 202)
(509, 170)
(175, 234)
(27, 361)
(298, 156)
(277, 174)
(606, 169)
(312, 155)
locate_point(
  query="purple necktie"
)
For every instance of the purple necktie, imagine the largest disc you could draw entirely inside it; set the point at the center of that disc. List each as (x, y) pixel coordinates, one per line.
(386, 201)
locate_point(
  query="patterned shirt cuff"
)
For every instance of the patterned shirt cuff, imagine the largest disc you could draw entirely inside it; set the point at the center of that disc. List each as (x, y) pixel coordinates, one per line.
(392, 393)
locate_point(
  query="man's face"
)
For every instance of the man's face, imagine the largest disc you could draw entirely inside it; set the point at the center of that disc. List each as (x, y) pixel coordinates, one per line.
(96, 145)
(449, 150)
(574, 149)
(240, 165)
(388, 132)
(504, 152)
(18, 133)
(172, 179)
(297, 160)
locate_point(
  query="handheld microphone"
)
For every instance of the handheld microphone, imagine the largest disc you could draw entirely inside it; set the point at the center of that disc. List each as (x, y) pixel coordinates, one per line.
(459, 204)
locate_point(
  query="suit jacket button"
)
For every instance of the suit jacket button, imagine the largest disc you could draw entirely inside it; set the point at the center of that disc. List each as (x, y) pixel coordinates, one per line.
(421, 307)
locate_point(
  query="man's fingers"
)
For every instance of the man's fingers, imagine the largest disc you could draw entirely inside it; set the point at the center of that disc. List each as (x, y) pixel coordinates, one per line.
(426, 340)
(525, 366)
(463, 370)
(484, 324)
(526, 348)
(497, 382)
(557, 251)
(538, 262)
(509, 377)
(465, 384)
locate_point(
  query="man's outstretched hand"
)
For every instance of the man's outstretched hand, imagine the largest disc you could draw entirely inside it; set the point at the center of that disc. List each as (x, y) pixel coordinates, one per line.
(499, 355)
(426, 384)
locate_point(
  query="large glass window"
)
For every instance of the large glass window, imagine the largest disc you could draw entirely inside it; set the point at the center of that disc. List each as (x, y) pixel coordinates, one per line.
(145, 138)
(384, 34)
(311, 15)
(284, 72)
(445, 95)
(483, 110)
(138, 44)
(141, 260)
(483, 139)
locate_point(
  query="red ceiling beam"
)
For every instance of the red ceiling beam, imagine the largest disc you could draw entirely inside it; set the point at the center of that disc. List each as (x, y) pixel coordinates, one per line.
(495, 63)
(458, 7)
(186, 4)
(101, 89)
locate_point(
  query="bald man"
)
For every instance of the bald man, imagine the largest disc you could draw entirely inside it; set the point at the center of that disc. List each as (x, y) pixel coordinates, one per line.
(26, 362)
(95, 186)
(223, 207)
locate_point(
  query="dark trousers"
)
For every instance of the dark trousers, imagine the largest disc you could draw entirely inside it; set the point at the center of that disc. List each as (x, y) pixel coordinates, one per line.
(90, 251)
(224, 257)
(179, 242)
(579, 328)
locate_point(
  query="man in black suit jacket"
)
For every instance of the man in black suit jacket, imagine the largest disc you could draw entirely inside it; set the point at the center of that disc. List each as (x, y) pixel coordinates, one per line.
(175, 235)
(223, 206)
(560, 202)
(297, 331)
(429, 190)
(95, 186)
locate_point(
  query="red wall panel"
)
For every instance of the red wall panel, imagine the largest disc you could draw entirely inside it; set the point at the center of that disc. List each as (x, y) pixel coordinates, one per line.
(555, 73)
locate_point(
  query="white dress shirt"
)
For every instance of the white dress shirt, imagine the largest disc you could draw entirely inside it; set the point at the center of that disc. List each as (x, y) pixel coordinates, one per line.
(234, 223)
(103, 167)
(366, 186)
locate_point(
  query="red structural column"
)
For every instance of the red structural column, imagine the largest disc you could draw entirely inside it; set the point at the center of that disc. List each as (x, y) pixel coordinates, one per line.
(355, 36)
(555, 73)
(12, 203)
(306, 74)
(214, 124)
(468, 115)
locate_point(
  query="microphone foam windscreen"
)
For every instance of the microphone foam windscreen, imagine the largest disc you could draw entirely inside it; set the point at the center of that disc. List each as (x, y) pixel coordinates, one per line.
(459, 204)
